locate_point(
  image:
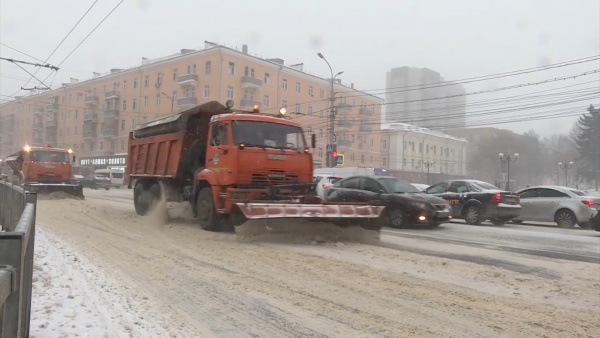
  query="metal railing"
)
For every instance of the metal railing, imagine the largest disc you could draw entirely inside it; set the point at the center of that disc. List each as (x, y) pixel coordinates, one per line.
(17, 239)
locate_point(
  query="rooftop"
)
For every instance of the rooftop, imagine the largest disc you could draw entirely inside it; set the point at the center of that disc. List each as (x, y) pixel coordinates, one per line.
(405, 127)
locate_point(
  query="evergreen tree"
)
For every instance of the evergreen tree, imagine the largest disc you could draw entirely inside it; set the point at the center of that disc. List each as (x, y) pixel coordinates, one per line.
(587, 138)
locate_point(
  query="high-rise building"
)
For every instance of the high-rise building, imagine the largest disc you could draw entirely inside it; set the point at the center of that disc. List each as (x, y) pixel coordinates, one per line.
(93, 117)
(421, 97)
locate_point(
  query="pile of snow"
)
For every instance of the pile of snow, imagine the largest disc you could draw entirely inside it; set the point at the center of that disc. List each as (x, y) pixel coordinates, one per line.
(70, 297)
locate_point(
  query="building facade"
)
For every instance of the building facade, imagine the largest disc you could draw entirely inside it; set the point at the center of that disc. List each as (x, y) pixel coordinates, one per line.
(94, 117)
(421, 97)
(420, 151)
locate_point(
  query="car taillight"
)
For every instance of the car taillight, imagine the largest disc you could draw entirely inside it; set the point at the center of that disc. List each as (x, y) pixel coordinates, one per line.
(518, 198)
(497, 198)
(589, 203)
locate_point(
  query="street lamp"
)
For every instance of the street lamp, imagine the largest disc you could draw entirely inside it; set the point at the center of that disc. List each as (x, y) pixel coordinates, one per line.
(170, 98)
(428, 164)
(566, 166)
(508, 159)
(330, 162)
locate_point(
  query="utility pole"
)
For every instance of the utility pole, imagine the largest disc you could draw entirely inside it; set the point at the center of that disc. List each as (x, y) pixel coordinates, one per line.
(428, 164)
(330, 162)
(170, 98)
(566, 166)
(508, 159)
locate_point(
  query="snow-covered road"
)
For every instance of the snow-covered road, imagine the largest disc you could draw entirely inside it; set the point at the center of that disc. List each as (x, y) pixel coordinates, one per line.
(102, 271)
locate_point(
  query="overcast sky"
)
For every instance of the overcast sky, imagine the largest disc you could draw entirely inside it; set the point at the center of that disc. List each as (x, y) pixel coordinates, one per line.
(458, 38)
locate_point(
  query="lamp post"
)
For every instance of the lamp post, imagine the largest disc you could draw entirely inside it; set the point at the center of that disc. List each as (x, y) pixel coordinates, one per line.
(428, 164)
(507, 159)
(566, 166)
(170, 98)
(330, 162)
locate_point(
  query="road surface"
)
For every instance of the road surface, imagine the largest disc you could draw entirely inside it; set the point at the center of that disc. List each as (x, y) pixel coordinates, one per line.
(455, 281)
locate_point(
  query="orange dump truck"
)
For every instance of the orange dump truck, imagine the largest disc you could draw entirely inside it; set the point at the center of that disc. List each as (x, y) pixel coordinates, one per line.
(44, 170)
(232, 166)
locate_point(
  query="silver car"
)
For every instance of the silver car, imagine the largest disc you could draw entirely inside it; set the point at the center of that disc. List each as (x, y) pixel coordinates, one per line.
(565, 206)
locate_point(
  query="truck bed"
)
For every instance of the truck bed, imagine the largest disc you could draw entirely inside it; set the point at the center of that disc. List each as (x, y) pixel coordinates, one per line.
(155, 156)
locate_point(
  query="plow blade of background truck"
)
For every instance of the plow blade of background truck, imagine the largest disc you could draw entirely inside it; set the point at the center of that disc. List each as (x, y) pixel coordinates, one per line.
(41, 188)
(334, 212)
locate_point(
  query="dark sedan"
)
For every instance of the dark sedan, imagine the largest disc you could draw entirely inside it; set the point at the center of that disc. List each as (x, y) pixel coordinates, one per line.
(405, 205)
(476, 201)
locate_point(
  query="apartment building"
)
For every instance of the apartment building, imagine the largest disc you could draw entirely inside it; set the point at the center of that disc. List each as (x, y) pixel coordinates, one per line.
(408, 148)
(94, 117)
(421, 97)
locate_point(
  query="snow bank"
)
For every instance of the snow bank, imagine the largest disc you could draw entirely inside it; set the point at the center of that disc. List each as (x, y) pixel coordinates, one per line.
(69, 297)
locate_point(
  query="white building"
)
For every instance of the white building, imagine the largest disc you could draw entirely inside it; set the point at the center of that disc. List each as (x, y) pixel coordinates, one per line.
(409, 148)
(421, 97)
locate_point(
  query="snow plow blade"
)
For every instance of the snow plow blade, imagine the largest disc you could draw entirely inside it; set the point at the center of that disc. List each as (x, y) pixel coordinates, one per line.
(75, 190)
(340, 214)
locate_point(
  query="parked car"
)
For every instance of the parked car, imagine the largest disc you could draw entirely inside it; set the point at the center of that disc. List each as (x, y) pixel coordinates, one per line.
(95, 182)
(405, 205)
(476, 201)
(565, 206)
(419, 186)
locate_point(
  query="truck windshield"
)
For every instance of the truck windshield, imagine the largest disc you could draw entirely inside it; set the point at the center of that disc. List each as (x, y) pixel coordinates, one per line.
(268, 134)
(49, 156)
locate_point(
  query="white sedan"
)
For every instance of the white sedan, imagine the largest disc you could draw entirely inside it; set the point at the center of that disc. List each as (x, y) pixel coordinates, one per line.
(565, 206)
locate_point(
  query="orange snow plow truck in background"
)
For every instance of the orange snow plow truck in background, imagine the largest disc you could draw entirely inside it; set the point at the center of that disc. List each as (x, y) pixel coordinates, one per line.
(44, 170)
(232, 166)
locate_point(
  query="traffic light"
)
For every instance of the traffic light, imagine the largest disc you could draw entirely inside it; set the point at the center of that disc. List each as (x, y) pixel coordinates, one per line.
(334, 154)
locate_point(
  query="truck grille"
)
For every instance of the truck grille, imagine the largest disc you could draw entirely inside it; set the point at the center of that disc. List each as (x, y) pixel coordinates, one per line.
(274, 177)
(440, 206)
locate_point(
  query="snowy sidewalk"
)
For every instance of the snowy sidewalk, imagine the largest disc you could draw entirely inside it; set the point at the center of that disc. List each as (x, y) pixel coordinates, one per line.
(71, 298)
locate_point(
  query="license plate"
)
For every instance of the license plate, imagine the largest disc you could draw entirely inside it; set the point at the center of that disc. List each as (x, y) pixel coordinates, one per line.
(510, 200)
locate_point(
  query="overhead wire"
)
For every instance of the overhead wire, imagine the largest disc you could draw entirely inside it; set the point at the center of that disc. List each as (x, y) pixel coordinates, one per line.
(18, 51)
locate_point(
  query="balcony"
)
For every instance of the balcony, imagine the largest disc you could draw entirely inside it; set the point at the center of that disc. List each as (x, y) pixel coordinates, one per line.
(187, 101)
(188, 80)
(51, 123)
(38, 126)
(110, 113)
(113, 132)
(38, 111)
(52, 107)
(251, 82)
(111, 95)
(90, 116)
(344, 143)
(346, 124)
(343, 106)
(247, 104)
(366, 111)
(365, 129)
(91, 100)
(89, 135)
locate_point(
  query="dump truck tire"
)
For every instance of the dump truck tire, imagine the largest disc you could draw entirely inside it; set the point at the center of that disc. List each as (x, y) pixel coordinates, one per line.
(208, 218)
(139, 201)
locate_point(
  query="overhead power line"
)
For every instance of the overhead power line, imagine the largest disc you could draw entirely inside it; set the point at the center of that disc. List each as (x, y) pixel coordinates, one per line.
(18, 51)
(29, 63)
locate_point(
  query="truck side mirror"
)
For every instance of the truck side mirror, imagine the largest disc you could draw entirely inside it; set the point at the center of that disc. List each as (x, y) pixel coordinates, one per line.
(313, 140)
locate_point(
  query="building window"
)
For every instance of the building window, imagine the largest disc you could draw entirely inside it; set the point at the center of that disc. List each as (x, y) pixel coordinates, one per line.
(362, 158)
(230, 92)
(267, 78)
(311, 91)
(320, 132)
(101, 145)
(122, 124)
(297, 109)
(371, 159)
(284, 103)
(352, 157)
(75, 130)
(124, 85)
(158, 99)
(266, 101)
(320, 152)
(322, 114)
(310, 111)
(175, 72)
(298, 87)
(135, 83)
(284, 84)
(384, 162)
(207, 67)
(124, 104)
(159, 78)
(122, 145)
(134, 104)
(147, 81)
(145, 101)
(231, 68)
(322, 93)
(207, 91)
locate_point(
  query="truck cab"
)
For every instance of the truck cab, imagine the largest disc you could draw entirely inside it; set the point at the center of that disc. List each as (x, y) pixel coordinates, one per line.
(46, 165)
